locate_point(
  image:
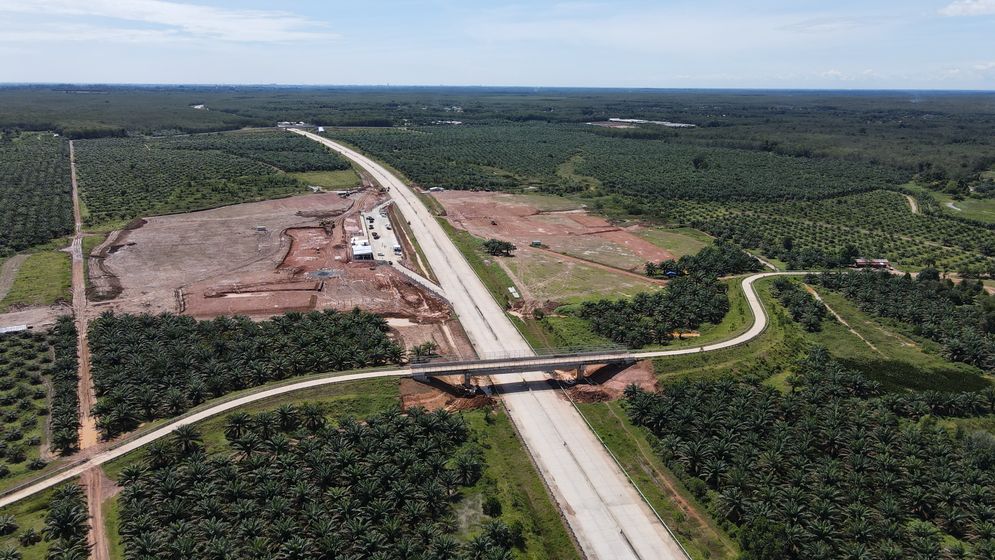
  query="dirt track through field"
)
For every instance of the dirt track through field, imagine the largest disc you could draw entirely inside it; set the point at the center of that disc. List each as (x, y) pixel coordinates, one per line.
(98, 488)
(7, 273)
(88, 435)
(842, 321)
(913, 204)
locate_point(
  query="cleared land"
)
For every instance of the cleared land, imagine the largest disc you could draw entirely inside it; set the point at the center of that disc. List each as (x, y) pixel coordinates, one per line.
(262, 259)
(568, 230)
(676, 241)
(546, 276)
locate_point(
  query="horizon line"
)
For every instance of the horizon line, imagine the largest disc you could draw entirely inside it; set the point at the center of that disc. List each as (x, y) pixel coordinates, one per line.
(275, 85)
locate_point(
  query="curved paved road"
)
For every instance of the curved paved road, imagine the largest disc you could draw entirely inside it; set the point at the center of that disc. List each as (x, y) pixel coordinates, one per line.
(77, 468)
(759, 322)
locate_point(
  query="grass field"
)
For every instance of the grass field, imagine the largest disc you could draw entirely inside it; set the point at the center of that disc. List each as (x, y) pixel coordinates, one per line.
(687, 518)
(769, 354)
(679, 241)
(509, 474)
(330, 180)
(981, 209)
(28, 514)
(565, 329)
(511, 477)
(889, 356)
(568, 170)
(43, 279)
(485, 266)
(549, 277)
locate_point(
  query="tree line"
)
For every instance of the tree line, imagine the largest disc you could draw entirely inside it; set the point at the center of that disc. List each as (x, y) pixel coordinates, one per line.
(831, 468)
(296, 486)
(719, 259)
(654, 317)
(65, 387)
(960, 316)
(35, 191)
(804, 308)
(155, 366)
(66, 528)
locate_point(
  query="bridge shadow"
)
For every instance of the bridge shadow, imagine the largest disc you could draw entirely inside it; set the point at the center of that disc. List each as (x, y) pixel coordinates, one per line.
(507, 383)
(503, 384)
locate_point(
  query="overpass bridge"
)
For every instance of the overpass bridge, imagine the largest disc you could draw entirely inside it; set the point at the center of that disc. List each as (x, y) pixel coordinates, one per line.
(566, 359)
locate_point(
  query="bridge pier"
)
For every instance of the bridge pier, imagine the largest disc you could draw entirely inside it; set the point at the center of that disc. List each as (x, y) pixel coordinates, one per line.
(581, 371)
(466, 380)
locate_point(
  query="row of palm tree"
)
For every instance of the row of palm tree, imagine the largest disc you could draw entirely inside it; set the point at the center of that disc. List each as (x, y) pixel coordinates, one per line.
(960, 316)
(654, 317)
(720, 259)
(155, 366)
(804, 308)
(65, 387)
(67, 524)
(289, 484)
(828, 469)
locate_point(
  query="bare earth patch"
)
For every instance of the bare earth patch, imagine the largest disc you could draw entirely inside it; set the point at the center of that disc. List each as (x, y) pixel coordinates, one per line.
(263, 259)
(519, 219)
(608, 383)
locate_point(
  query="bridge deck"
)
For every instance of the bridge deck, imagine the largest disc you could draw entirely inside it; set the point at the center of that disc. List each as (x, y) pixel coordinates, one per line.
(519, 364)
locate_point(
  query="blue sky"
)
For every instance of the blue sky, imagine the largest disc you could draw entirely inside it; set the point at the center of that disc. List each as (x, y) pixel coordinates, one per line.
(928, 44)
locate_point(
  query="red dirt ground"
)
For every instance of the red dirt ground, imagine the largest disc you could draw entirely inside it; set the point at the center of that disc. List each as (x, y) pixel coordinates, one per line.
(571, 232)
(264, 259)
(607, 383)
(440, 394)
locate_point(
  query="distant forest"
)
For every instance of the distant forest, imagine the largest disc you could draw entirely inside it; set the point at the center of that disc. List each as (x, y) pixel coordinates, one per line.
(939, 133)
(807, 178)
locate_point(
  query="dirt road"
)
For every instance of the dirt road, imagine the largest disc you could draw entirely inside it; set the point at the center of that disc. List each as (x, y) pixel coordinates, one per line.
(913, 204)
(95, 483)
(7, 273)
(88, 435)
(605, 512)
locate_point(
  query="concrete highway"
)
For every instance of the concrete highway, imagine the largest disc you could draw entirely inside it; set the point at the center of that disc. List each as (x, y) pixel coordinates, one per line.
(81, 464)
(605, 512)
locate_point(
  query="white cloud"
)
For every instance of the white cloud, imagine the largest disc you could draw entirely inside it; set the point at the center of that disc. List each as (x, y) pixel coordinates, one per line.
(170, 20)
(969, 8)
(832, 24)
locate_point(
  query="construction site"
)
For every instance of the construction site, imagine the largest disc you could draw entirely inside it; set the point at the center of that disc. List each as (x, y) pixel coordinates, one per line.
(267, 258)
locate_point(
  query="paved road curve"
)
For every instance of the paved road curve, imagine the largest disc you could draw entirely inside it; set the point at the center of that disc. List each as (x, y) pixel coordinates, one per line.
(76, 468)
(605, 512)
(79, 467)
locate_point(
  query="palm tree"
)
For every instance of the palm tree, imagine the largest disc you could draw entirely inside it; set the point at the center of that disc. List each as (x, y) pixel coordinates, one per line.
(187, 440)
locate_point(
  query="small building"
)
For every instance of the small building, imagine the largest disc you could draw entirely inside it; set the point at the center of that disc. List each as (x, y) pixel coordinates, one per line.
(321, 129)
(13, 329)
(361, 250)
(436, 189)
(535, 243)
(871, 263)
(261, 228)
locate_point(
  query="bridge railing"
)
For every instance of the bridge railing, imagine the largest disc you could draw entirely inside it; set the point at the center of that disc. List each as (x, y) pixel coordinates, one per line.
(524, 356)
